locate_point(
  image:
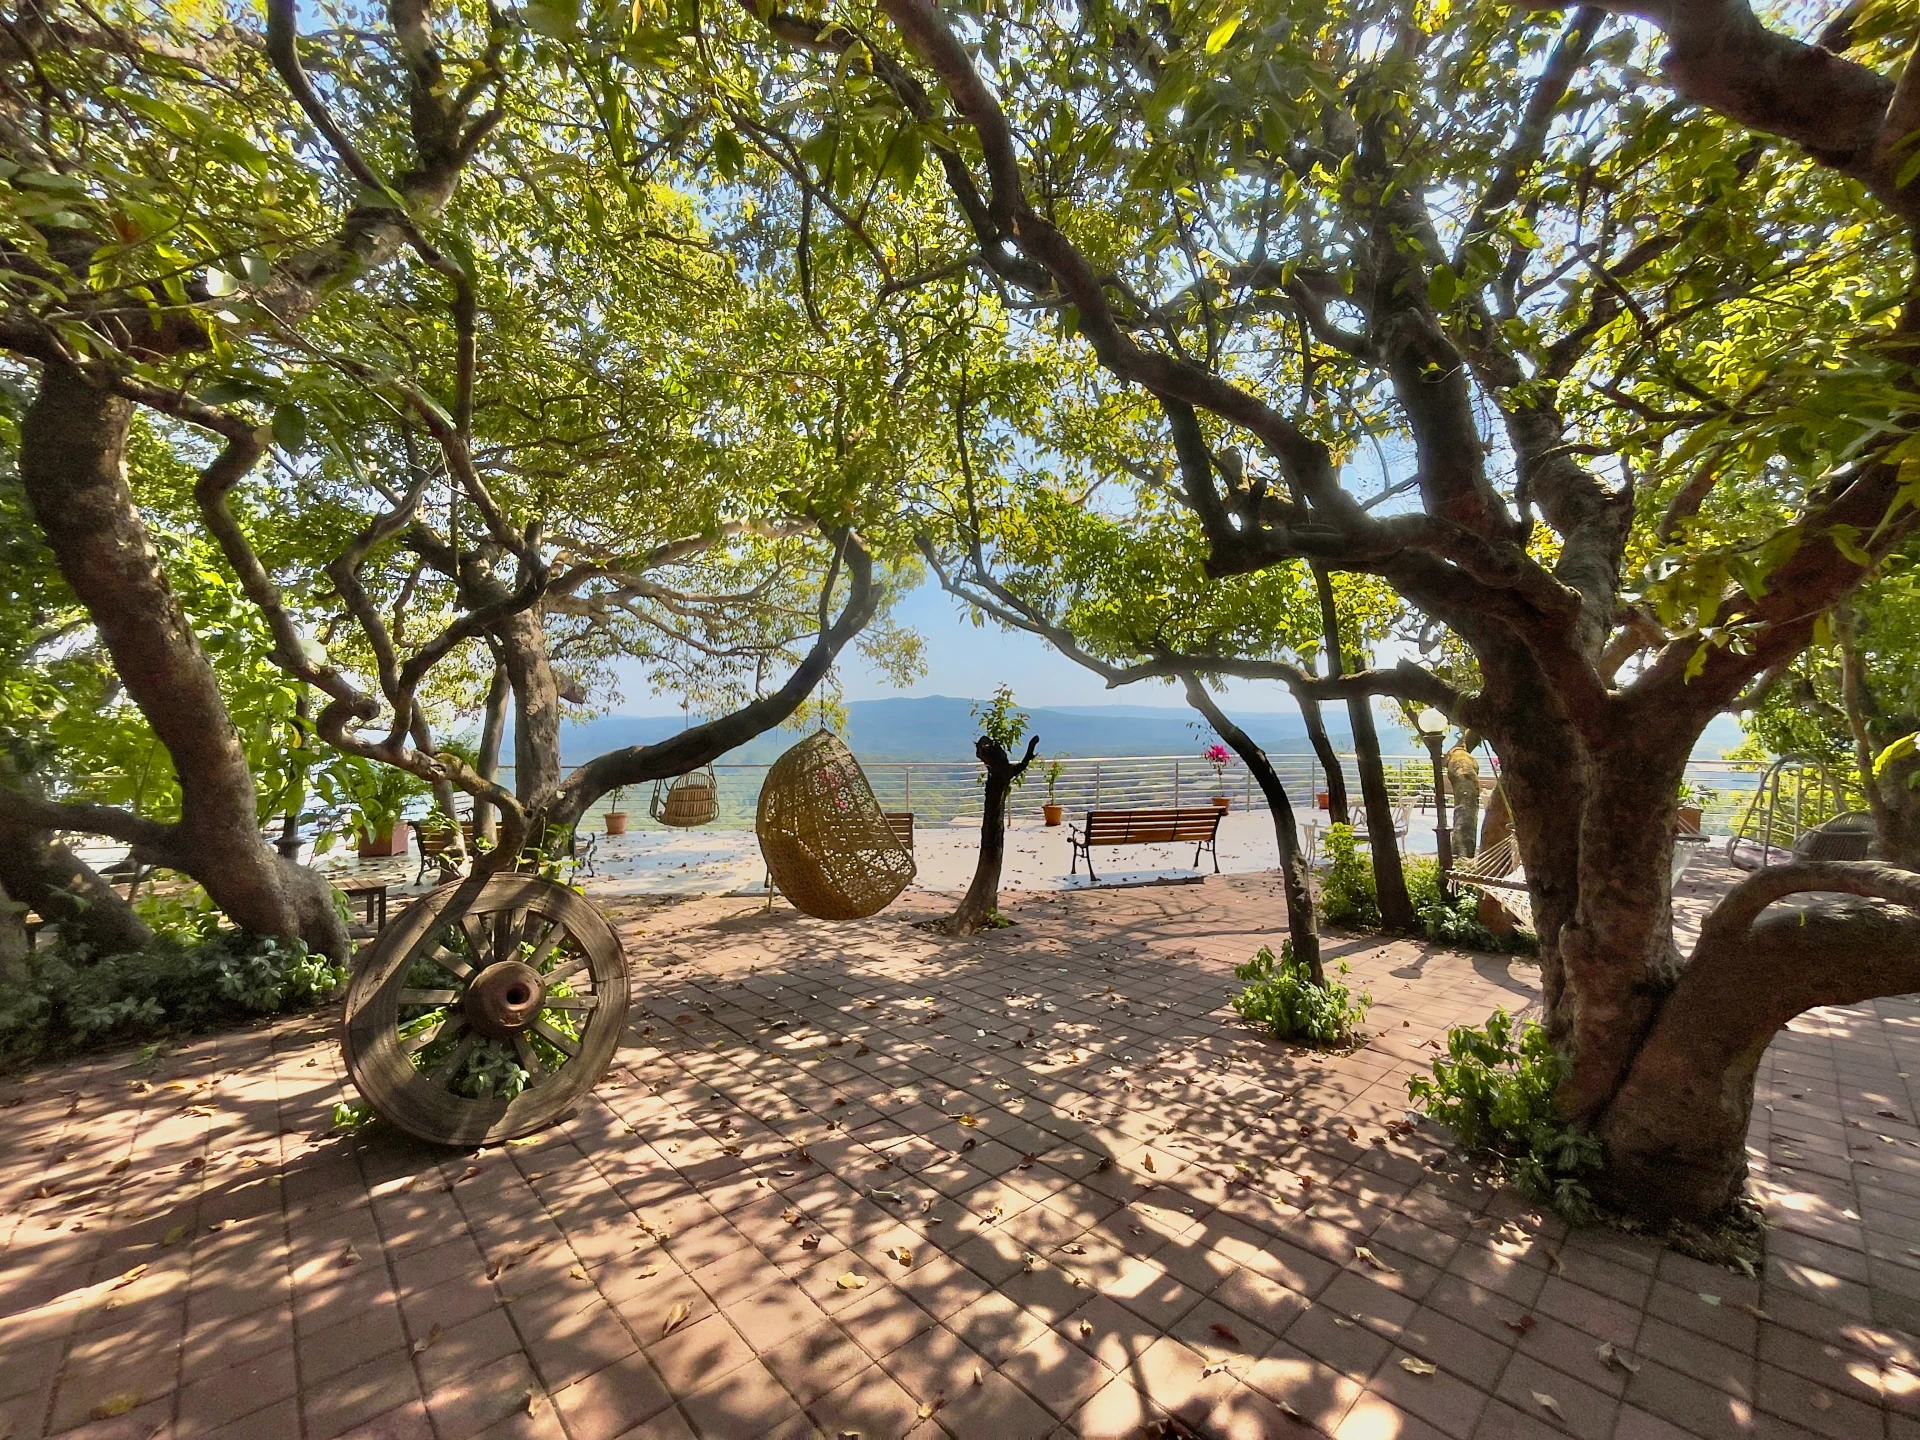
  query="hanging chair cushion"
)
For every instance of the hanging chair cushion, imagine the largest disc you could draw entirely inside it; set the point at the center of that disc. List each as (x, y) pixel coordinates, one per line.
(827, 843)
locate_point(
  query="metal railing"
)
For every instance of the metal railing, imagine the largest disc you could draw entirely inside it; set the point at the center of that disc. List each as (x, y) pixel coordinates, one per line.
(940, 791)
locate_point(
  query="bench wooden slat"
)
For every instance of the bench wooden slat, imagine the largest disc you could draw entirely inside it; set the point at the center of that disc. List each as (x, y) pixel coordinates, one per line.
(1151, 827)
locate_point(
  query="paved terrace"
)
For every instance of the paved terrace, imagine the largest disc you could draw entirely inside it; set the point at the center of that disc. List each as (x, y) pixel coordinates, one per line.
(861, 1179)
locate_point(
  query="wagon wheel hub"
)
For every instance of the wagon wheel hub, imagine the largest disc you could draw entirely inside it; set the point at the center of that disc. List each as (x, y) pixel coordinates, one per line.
(503, 999)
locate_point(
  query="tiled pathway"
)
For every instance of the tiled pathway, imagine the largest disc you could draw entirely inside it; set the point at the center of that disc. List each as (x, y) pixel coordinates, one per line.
(860, 1179)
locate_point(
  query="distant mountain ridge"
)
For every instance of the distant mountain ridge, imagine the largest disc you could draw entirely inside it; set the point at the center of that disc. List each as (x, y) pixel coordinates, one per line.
(942, 727)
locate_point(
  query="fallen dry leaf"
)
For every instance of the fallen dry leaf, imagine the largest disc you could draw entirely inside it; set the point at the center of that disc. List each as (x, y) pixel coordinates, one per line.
(809, 1242)
(577, 1272)
(675, 1316)
(1522, 1325)
(1361, 1252)
(1086, 1327)
(852, 1280)
(1610, 1356)
(1225, 1332)
(1708, 1299)
(1416, 1366)
(1559, 1265)
(902, 1254)
(535, 1401)
(114, 1405)
(1214, 1369)
(427, 1341)
(968, 1120)
(1552, 1406)
(129, 1276)
(927, 1409)
(174, 1236)
(1148, 1164)
(647, 1271)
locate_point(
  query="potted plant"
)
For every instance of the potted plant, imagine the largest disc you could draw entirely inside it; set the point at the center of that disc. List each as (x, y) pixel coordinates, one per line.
(1690, 808)
(616, 817)
(379, 795)
(1218, 757)
(1052, 809)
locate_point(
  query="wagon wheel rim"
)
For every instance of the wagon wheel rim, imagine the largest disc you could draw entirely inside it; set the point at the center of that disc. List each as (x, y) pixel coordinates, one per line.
(476, 1021)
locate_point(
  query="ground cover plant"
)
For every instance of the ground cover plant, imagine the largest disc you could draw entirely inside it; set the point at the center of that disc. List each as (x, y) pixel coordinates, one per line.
(1282, 996)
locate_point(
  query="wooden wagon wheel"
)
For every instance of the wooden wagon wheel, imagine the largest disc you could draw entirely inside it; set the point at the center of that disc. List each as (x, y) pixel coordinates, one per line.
(472, 1024)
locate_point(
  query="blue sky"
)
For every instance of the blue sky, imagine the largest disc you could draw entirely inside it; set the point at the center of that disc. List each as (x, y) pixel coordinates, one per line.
(970, 661)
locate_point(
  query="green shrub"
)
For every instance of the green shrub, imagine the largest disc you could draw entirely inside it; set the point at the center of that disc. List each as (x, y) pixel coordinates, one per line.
(1347, 896)
(1455, 921)
(1494, 1090)
(1281, 996)
(187, 980)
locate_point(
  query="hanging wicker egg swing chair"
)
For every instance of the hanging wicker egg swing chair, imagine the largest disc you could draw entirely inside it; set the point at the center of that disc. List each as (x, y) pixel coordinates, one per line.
(686, 800)
(828, 846)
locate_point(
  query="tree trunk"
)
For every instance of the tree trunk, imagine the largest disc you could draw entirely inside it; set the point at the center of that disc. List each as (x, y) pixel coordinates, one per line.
(1893, 795)
(13, 945)
(493, 724)
(1463, 781)
(62, 890)
(1336, 778)
(1295, 882)
(982, 901)
(536, 712)
(73, 464)
(1389, 879)
(1675, 1129)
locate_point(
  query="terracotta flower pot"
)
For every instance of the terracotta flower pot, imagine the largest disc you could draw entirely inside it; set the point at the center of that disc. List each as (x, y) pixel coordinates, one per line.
(1689, 819)
(1324, 799)
(1053, 813)
(1223, 802)
(390, 842)
(616, 822)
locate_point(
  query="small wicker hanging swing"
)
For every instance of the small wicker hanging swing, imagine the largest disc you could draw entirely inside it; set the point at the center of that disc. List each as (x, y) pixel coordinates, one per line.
(686, 800)
(828, 846)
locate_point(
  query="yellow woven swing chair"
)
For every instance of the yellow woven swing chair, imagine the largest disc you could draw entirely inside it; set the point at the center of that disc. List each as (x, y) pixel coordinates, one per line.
(687, 800)
(828, 846)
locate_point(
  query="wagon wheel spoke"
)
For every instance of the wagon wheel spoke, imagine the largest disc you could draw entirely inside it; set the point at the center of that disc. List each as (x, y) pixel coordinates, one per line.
(447, 1026)
(428, 997)
(536, 1072)
(451, 963)
(561, 1042)
(450, 1064)
(549, 942)
(566, 970)
(573, 1002)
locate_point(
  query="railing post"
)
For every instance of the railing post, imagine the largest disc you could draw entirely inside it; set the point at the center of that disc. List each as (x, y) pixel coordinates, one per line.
(909, 805)
(1176, 784)
(1096, 784)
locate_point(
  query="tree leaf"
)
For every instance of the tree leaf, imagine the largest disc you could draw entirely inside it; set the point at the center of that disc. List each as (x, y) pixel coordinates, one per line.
(1222, 33)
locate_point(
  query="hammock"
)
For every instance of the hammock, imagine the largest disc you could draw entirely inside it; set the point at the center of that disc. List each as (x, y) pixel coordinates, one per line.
(829, 847)
(689, 800)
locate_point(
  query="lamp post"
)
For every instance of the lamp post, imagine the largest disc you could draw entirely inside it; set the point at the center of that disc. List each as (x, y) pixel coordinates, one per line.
(1432, 726)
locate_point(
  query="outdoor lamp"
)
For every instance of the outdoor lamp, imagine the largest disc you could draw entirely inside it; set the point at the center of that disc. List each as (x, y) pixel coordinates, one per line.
(1432, 726)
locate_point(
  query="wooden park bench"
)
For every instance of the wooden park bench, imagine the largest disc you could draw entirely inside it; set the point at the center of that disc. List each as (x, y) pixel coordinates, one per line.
(902, 823)
(1199, 826)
